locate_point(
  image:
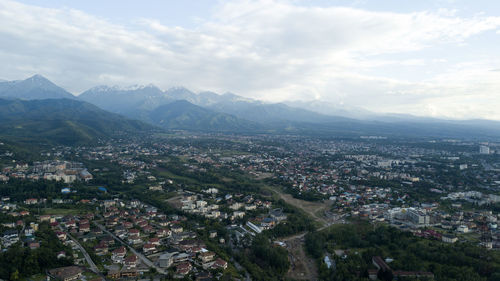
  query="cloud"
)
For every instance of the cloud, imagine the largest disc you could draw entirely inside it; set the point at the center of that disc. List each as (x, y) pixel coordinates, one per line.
(272, 50)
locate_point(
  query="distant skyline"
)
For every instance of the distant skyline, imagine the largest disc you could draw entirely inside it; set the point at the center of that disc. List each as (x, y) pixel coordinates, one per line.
(429, 58)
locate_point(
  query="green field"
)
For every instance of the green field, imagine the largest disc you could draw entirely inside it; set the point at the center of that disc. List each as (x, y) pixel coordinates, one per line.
(54, 211)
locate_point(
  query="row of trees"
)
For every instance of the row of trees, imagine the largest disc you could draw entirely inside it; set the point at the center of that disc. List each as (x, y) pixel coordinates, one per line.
(19, 262)
(263, 260)
(461, 261)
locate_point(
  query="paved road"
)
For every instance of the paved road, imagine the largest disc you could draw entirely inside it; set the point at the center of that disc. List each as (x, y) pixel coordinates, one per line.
(91, 263)
(145, 260)
(239, 267)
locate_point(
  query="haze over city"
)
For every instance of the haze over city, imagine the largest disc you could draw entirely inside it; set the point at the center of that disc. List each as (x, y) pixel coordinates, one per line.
(426, 58)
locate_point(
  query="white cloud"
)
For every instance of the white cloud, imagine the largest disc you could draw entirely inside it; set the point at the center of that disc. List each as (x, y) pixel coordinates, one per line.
(266, 49)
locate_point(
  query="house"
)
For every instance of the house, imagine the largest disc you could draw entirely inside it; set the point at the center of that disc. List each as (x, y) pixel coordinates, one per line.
(183, 268)
(238, 214)
(185, 245)
(250, 207)
(181, 257)
(131, 261)
(235, 206)
(61, 235)
(277, 214)
(61, 254)
(155, 241)
(9, 224)
(70, 223)
(148, 248)
(84, 227)
(29, 231)
(166, 260)
(148, 229)
(206, 256)
(112, 221)
(132, 239)
(133, 233)
(129, 273)
(85, 175)
(163, 222)
(43, 218)
(135, 240)
(204, 276)
(118, 254)
(101, 249)
(176, 228)
(67, 273)
(120, 231)
(34, 245)
(267, 223)
(142, 223)
(219, 263)
(267, 204)
(113, 274)
(108, 240)
(31, 201)
(196, 250)
(462, 229)
(164, 232)
(449, 239)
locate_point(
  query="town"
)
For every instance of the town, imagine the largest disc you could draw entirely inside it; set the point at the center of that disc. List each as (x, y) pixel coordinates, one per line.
(192, 205)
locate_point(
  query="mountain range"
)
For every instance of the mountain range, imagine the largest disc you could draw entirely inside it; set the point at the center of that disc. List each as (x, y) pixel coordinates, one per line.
(62, 121)
(180, 108)
(35, 87)
(138, 101)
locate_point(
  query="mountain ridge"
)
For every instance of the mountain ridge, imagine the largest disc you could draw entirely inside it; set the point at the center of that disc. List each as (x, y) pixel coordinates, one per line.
(63, 121)
(34, 87)
(209, 111)
(182, 114)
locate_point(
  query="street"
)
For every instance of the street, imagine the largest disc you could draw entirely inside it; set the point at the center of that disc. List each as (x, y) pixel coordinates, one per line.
(145, 260)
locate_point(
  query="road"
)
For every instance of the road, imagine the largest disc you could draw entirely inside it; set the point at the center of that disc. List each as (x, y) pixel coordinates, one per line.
(145, 260)
(91, 263)
(304, 267)
(239, 267)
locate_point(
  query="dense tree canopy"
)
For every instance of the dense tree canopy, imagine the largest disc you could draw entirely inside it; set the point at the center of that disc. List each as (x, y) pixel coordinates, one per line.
(461, 261)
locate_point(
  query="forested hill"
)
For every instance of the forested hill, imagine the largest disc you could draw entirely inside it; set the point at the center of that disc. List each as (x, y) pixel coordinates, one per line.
(62, 121)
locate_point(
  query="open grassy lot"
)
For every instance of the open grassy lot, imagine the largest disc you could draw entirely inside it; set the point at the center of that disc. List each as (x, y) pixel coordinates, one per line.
(63, 212)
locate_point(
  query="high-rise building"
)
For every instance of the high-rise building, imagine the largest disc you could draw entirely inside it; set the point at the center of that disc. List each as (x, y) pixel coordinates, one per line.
(418, 217)
(483, 149)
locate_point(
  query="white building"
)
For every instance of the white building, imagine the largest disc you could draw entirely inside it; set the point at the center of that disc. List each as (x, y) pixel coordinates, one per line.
(462, 229)
(483, 149)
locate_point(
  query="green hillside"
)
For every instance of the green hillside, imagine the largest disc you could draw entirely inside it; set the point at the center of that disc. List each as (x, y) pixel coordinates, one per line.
(62, 121)
(185, 115)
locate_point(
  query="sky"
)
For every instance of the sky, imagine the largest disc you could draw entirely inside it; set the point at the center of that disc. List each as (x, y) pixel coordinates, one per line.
(438, 58)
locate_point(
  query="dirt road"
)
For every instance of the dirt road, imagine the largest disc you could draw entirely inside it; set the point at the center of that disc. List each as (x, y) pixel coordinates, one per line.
(303, 267)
